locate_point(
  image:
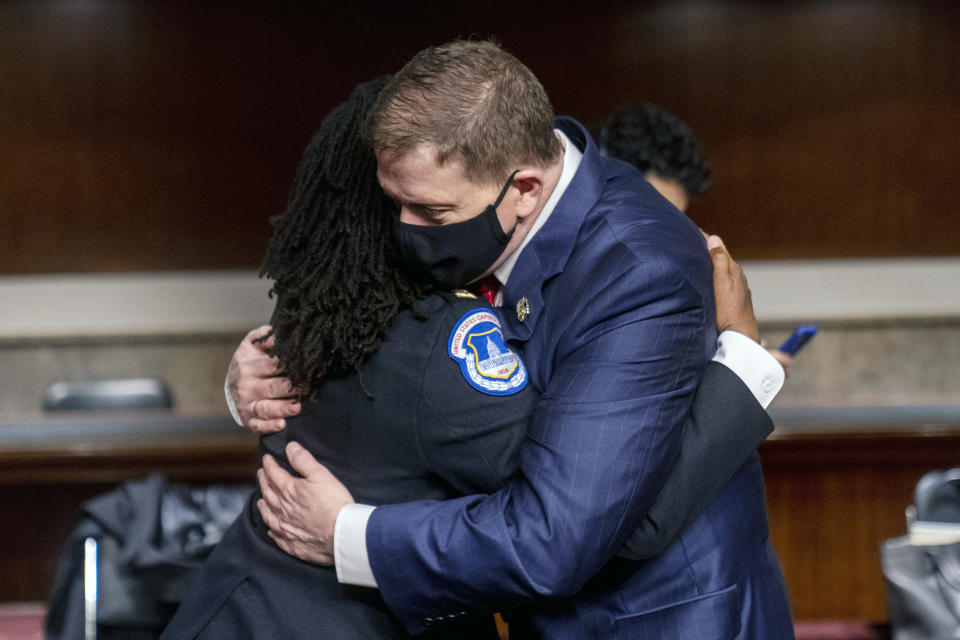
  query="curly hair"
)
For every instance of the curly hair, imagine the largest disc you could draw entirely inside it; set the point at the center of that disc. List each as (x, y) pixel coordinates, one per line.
(331, 256)
(652, 139)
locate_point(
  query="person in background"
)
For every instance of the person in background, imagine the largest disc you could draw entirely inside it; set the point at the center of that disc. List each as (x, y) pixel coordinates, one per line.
(662, 147)
(665, 150)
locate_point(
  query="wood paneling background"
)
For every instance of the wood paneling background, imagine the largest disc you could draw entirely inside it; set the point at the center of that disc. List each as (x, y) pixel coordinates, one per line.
(43, 483)
(832, 499)
(137, 135)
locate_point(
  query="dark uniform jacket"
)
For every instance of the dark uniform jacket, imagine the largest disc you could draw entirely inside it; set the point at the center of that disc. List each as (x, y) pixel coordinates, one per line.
(409, 425)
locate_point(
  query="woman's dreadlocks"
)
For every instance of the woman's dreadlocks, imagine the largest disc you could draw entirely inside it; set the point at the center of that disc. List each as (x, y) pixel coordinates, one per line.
(331, 256)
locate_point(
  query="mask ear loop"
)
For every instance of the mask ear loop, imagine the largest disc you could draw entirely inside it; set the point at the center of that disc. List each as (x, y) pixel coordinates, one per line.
(503, 192)
(493, 207)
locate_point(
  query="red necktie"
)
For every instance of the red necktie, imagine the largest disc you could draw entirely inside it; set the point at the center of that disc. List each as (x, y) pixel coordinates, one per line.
(488, 288)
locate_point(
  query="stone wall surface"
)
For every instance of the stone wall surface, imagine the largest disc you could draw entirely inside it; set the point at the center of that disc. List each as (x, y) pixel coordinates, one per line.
(902, 362)
(193, 367)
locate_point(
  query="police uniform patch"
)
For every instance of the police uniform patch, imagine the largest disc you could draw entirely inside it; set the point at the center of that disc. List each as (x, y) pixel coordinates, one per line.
(488, 364)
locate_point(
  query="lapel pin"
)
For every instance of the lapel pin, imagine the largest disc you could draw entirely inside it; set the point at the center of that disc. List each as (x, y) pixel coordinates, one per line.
(523, 309)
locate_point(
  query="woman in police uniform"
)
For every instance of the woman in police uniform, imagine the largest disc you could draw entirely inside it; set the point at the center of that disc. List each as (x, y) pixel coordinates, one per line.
(391, 406)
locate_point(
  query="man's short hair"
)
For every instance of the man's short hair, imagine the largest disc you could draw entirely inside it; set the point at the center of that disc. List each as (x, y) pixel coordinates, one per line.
(475, 103)
(652, 139)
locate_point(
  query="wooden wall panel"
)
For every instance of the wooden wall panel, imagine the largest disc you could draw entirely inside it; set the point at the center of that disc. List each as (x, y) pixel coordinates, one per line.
(833, 497)
(41, 491)
(138, 135)
(832, 500)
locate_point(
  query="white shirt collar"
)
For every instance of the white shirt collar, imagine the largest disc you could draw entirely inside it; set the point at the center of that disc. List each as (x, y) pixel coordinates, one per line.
(571, 162)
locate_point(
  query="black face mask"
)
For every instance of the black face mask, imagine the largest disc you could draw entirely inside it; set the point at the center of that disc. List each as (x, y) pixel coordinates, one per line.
(452, 255)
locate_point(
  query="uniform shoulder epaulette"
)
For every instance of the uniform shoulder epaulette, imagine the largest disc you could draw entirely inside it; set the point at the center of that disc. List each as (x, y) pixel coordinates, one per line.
(462, 299)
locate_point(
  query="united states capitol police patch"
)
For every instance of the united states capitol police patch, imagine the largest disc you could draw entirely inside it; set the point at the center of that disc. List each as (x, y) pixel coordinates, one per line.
(488, 364)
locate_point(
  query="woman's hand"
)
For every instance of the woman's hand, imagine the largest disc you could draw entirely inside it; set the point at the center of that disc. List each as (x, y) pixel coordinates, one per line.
(734, 303)
(262, 396)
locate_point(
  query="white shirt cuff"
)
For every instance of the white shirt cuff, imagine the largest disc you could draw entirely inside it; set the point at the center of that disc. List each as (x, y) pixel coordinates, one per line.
(350, 546)
(759, 370)
(231, 405)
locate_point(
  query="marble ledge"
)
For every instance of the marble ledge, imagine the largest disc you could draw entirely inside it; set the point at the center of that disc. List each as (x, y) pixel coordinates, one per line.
(203, 302)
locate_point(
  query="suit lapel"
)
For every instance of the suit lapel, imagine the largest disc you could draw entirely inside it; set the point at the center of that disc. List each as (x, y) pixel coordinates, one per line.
(548, 251)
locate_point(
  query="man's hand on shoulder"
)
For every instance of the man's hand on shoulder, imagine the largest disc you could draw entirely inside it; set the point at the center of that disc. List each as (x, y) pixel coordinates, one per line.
(301, 512)
(734, 303)
(263, 398)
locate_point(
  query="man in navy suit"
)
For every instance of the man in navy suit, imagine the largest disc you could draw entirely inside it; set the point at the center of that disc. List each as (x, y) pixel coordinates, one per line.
(608, 291)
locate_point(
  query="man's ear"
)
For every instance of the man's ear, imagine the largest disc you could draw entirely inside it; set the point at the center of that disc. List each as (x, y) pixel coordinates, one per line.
(529, 185)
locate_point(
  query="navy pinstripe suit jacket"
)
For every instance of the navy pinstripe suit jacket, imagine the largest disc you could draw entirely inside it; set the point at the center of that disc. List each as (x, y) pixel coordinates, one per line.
(620, 329)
